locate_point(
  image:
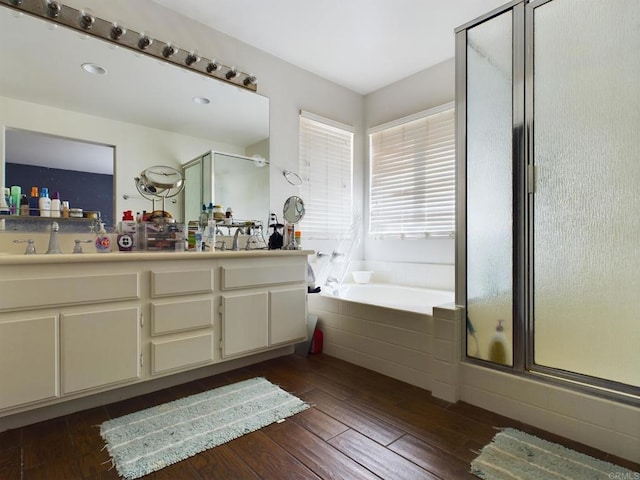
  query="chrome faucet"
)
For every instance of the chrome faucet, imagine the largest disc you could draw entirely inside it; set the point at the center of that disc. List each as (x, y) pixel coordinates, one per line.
(335, 255)
(234, 245)
(54, 245)
(31, 247)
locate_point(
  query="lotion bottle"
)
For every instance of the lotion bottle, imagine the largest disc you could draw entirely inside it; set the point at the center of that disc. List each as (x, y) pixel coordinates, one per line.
(499, 347)
(55, 204)
(34, 206)
(103, 241)
(44, 203)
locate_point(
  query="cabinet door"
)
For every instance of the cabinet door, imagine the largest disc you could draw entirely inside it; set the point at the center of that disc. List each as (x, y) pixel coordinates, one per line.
(28, 360)
(99, 348)
(287, 315)
(245, 323)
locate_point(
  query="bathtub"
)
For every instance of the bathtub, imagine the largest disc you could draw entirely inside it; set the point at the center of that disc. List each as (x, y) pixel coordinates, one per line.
(399, 297)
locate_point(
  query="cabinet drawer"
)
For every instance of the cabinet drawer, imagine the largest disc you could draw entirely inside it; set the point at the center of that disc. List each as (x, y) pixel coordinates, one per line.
(32, 293)
(181, 316)
(185, 282)
(182, 352)
(244, 277)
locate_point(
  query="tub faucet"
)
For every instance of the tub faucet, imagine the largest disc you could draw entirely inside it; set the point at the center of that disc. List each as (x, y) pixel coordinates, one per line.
(54, 245)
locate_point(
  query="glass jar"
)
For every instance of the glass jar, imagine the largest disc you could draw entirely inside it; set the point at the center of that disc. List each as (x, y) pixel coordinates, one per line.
(218, 212)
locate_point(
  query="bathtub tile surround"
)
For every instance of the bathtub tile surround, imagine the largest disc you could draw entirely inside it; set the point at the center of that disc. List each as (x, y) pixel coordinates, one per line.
(446, 353)
(392, 342)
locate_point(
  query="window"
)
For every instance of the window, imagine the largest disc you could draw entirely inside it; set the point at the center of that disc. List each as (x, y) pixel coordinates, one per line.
(326, 164)
(412, 176)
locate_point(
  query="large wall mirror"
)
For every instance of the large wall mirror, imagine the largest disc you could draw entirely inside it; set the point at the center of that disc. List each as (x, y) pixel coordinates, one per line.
(148, 111)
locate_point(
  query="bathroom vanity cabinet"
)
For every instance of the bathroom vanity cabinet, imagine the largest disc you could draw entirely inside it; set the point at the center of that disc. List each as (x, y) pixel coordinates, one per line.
(74, 325)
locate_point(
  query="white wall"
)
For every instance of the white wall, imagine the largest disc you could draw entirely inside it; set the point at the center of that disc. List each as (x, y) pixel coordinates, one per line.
(426, 89)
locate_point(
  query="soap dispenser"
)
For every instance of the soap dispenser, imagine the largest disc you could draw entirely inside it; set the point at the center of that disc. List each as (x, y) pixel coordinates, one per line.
(103, 241)
(499, 347)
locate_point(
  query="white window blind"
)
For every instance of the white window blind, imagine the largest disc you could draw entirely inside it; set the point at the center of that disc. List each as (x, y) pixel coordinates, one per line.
(326, 165)
(412, 176)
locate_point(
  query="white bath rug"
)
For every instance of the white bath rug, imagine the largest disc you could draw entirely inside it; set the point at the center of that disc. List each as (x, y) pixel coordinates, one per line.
(515, 455)
(149, 440)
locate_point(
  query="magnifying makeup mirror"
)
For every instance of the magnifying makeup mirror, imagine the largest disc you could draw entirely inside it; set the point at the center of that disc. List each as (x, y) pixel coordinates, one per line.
(293, 212)
(159, 182)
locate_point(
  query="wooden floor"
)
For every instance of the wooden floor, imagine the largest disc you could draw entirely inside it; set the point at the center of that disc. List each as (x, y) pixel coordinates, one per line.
(362, 425)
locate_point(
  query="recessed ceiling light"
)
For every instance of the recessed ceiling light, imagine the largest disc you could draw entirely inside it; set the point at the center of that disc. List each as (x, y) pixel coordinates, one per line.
(94, 68)
(201, 100)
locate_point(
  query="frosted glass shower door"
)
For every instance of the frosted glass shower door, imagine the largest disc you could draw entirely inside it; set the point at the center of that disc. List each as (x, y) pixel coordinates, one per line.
(489, 188)
(586, 217)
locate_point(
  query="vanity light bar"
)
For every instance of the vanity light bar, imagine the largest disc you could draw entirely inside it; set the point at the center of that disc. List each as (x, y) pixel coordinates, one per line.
(112, 32)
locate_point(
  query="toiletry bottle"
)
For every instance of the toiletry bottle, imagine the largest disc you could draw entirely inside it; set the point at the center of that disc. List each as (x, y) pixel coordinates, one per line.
(55, 204)
(297, 235)
(44, 203)
(198, 238)
(16, 193)
(211, 234)
(202, 222)
(24, 205)
(103, 241)
(4, 208)
(499, 347)
(34, 208)
(65, 209)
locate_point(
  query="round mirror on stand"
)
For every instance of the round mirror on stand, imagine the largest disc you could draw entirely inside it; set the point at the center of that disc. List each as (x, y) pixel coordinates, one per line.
(293, 212)
(160, 182)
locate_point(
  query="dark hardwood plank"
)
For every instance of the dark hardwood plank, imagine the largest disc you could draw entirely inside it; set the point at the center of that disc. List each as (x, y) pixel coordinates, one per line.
(321, 458)
(429, 422)
(10, 462)
(48, 450)
(221, 463)
(10, 439)
(381, 461)
(84, 429)
(268, 460)
(372, 427)
(319, 423)
(433, 459)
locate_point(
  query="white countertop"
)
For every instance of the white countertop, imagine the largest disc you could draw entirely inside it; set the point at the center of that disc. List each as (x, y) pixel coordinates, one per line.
(17, 259)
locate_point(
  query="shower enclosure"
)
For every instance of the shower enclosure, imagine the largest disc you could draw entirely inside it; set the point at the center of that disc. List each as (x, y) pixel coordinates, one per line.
(548, 108)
